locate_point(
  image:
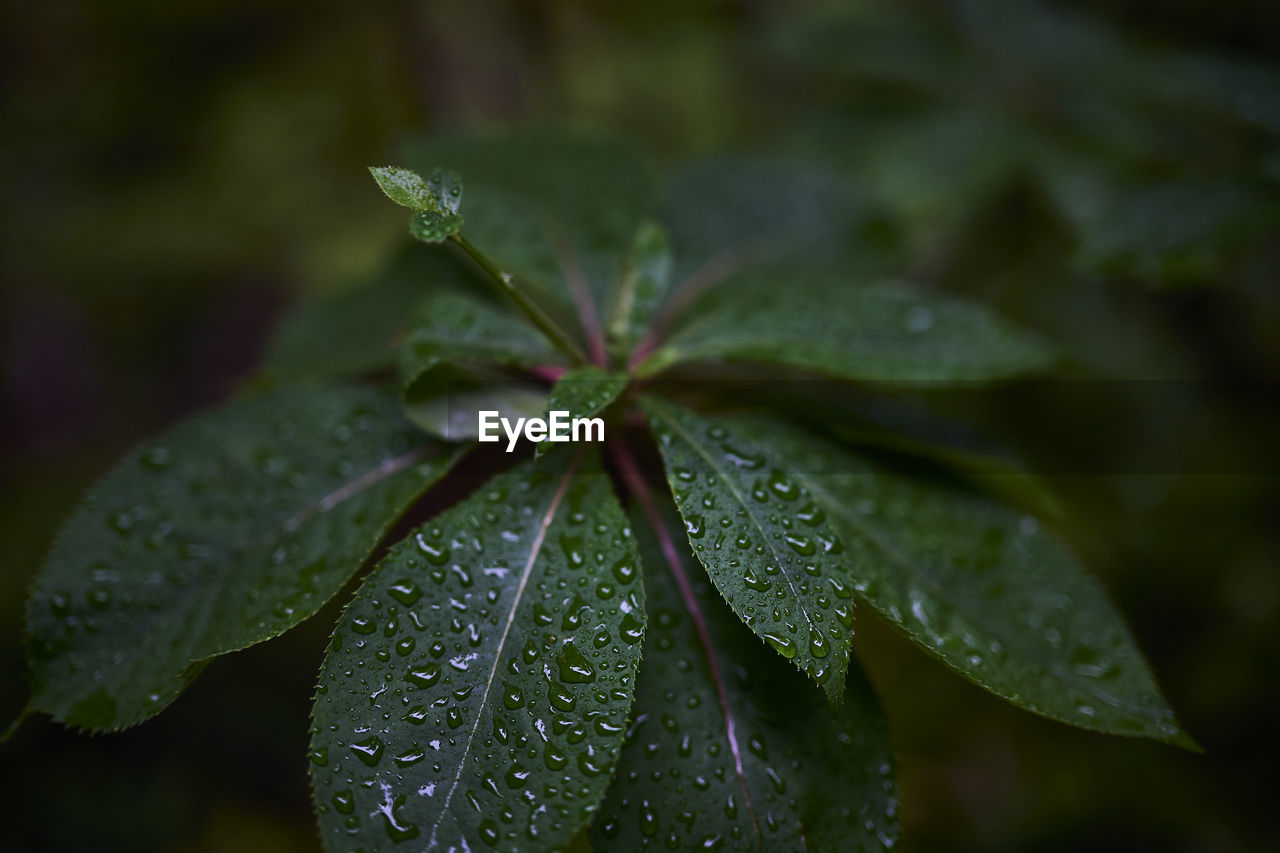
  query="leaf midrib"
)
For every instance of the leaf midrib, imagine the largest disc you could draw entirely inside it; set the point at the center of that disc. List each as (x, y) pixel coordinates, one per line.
(535, 548)
(764, 537)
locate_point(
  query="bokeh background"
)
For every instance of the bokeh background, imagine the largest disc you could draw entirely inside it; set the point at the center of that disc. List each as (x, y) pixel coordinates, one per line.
(176, 174)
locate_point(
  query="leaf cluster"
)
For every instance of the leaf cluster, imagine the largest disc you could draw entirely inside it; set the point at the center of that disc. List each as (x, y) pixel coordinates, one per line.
(652, 642)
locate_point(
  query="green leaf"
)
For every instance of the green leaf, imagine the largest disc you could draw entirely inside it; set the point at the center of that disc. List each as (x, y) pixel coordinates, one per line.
(227, 531)
(448, 405)
(888, 332)
(455, 328)
(441, 193)
(427, 226)
(435, 201)
(731, 749)
(769, 550)
(583, 393)
(987, 590)
(555, 209)
(446, 188)
(476, 691)
(443, 361)
(356, 330)
(645, 279)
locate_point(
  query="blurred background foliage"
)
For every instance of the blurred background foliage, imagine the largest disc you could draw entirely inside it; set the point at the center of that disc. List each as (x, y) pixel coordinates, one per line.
(176, 174)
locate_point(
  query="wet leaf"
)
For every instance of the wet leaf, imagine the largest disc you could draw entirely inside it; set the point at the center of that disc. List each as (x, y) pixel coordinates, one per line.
(987, 590)
(887, 331)
(771, 553)
(441, 193)
(428, 226)
(434, 201)
(449, 405)
(226, 531)
(555, 209)
(462, 329)
(583, 393)
(730, 749)
(476, 690)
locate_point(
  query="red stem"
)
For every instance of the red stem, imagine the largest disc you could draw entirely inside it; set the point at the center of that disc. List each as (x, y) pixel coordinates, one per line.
(644, 498)
(580, 291)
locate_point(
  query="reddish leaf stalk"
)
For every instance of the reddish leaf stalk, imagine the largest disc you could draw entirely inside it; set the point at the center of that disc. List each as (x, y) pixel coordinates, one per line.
(644, 498)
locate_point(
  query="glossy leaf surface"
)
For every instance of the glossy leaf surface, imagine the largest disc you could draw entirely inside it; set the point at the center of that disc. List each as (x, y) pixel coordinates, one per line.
(731, 749)
(583, 393)
(440, 193)
(769, 549)
(228, 530)
(888, 331)
(449, 405)
(476, 691)
(987, 590)
(456, 328)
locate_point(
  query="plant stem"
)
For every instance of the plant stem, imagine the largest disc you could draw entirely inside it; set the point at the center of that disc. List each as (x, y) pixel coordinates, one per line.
(532, 310)
(635, 482)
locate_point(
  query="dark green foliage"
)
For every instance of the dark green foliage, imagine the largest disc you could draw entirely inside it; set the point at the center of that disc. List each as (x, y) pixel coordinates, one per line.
(225, 532)
(496, 649)
(733, 750)
(479, 687)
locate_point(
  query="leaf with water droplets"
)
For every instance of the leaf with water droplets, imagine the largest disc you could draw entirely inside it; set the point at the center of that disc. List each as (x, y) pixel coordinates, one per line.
(987, 590)
(731, 749)
(443, 361)
(476, 690)
(885, 331)
(356, 330)
(449, 405)
(775, 558)
(226, 531)
(583, 393)
(645, 278)
(441, 193)
(555, 209)
(434, 201)
(454, 328)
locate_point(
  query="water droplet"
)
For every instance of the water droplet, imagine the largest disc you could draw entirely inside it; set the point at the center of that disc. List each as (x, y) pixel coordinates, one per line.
(781, 645)
(517, 777)
(818, 645)
(574, 668)
(406, 592)
(801, 544)
(632, 629)
(424, 677)
(368, 750)
(561, 699)
(437, 555)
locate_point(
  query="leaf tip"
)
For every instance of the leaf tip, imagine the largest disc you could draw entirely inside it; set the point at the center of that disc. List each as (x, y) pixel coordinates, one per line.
(13, 727)
(1183, 740)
